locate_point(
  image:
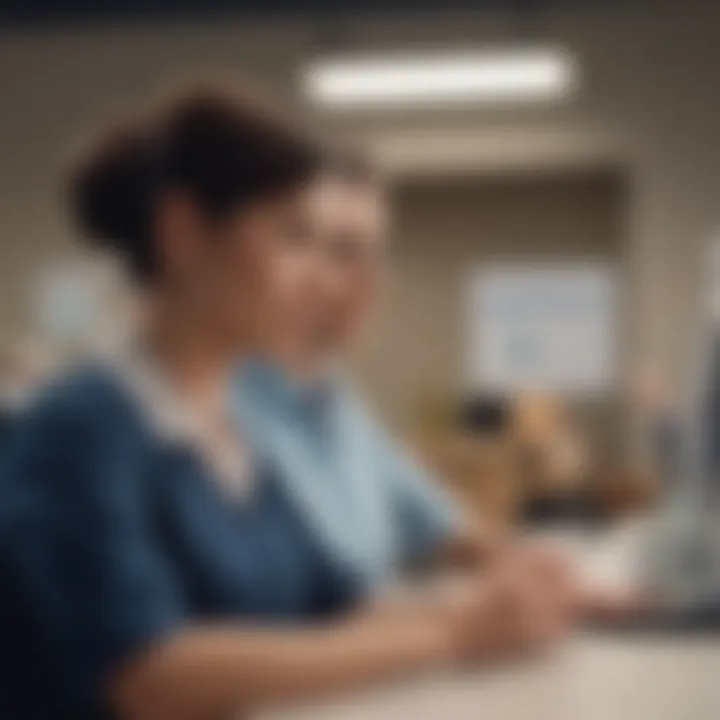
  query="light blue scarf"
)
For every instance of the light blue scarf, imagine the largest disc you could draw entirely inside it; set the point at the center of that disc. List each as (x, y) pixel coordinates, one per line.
(329, 462)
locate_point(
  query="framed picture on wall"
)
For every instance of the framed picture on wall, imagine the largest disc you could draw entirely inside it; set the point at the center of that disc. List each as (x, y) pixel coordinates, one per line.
(542, 327)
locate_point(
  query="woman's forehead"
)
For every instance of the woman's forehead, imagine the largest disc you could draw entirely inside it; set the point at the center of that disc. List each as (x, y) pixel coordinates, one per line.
(348, 206)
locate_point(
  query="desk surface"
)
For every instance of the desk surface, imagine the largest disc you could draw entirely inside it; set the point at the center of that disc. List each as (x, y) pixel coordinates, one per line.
(594, 677)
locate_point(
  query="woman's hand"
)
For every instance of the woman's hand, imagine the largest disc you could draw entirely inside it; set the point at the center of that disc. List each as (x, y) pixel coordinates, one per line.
(574, 597)
(504, 614)
(485, 617)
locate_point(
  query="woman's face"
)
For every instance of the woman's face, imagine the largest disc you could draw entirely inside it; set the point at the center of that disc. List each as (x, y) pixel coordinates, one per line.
(349, 223)
(248, 279)
(316, 272)
(293, 278)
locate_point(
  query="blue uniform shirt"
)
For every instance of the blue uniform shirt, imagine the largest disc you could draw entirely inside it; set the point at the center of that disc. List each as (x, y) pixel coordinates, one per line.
(111, 539)
(370, 504)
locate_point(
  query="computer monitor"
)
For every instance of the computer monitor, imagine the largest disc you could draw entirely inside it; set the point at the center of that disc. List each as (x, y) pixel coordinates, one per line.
(681, 563)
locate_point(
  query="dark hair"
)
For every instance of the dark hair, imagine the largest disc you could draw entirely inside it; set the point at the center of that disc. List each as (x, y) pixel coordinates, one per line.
(224, 151)
(350, 164)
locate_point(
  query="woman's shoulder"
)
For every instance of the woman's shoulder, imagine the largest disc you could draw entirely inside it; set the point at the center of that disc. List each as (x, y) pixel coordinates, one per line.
(82, 405)
(77, 440)
(90, 392)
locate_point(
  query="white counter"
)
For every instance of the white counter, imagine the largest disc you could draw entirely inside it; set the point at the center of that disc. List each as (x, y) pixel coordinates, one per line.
(594, 677)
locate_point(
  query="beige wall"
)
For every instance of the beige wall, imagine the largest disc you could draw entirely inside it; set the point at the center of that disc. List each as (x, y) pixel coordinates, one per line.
(445, 229)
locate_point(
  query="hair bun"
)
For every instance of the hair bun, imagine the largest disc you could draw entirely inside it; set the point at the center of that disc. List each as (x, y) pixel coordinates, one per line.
(110, 189)
(220, 150)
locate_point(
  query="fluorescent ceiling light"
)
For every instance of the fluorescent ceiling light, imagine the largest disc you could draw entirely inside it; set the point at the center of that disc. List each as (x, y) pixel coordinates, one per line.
(440, 78)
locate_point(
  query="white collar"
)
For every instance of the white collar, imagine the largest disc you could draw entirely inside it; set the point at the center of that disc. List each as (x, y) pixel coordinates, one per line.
(170, 418)
(160, 405)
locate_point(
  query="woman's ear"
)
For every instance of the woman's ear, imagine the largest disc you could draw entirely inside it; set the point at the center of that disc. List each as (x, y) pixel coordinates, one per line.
(181, 233)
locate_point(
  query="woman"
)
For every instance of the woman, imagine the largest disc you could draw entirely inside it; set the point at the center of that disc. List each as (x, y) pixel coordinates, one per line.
(151, 569)
(371, 504)
(375, 506)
